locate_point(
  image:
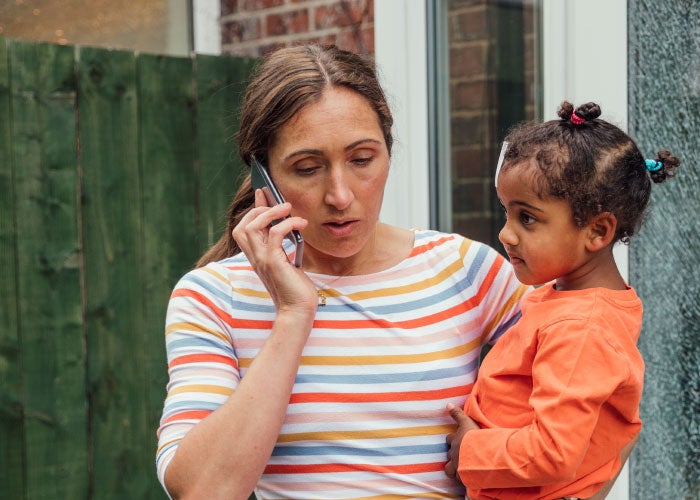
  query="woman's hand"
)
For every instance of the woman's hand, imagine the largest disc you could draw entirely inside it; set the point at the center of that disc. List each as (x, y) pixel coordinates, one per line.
(454, 440)
(289, 287)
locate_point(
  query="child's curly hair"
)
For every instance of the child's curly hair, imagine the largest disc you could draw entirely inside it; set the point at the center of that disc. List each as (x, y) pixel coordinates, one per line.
(591, 164)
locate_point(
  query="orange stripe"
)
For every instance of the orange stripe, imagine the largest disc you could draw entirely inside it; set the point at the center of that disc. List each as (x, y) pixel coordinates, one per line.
(389, 469)
(188, 415)
(386, 359)
(455, 310)
(202, 358)
(240, 268)
(220, 313)
(363, 397)
(431, 244)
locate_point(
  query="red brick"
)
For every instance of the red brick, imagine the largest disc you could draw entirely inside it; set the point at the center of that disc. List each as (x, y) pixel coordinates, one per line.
(255, 5)
(287, 23)
(360, 41)
(229, 7)
(341, 14)
(265, 49)
(469, 196)
(239, 31)
(477, 227)
(468, 131)
(472, 161)
(467, 26)
(469, 96)
(467, 61)
(323, 40)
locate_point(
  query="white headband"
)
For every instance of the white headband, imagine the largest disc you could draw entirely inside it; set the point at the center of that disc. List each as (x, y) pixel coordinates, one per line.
(500, 162)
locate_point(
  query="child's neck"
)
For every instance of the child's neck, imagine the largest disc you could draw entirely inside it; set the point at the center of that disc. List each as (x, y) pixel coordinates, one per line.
(597, 273)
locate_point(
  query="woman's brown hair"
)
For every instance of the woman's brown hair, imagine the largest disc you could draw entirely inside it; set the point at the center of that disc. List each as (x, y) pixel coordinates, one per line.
(284, 83)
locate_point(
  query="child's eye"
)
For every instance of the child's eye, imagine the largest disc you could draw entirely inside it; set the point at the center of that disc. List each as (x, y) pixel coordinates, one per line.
(526, 218)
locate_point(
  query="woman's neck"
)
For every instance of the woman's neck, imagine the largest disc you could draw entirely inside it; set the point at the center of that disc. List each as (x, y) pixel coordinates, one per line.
(387, 247)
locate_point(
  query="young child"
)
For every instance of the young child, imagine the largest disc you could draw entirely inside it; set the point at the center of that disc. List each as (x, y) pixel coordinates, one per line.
(557, 398)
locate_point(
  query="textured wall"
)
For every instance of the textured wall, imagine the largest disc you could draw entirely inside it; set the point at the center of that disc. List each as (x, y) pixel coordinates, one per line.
(664, 92)
(255, 27)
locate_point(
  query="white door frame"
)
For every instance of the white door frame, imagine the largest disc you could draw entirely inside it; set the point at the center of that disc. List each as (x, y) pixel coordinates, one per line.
(400, 36)
(578, 66)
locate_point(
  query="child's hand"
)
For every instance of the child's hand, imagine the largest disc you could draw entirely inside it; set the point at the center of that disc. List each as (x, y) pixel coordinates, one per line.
(454, 440)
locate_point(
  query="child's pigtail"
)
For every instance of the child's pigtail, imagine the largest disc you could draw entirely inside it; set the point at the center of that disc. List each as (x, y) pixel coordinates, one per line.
(582, 114)
(663, 167)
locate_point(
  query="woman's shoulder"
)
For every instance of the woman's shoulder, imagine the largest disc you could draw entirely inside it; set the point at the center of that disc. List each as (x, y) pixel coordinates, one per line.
(216, 275)
(432, 239)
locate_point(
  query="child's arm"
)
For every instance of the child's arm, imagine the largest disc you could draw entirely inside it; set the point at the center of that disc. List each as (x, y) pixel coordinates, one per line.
(545, 434)
(624, 455)
(466, 424)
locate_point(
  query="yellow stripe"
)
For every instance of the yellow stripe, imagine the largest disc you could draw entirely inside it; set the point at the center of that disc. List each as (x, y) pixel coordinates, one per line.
(373, 434)
(396, 359)
(507, 307)
(210, 389)
(193, 327)
(249, 292)
(413, 287)
(218, 276)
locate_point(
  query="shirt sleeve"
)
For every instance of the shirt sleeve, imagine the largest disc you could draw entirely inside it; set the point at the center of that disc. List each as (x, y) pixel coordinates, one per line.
(202, 365)
(501, 293)
(575, 371)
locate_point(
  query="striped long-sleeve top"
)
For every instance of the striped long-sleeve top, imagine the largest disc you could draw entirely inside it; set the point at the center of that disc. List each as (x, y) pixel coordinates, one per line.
(366, 418)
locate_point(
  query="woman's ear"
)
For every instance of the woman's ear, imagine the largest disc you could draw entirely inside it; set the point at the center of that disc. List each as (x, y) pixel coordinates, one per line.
(601, 231)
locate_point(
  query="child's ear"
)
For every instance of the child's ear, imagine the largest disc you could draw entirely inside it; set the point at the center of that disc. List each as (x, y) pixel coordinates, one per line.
(601, 231)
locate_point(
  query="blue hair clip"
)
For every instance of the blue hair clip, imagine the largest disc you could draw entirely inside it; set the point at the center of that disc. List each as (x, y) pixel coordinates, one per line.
(653, 165)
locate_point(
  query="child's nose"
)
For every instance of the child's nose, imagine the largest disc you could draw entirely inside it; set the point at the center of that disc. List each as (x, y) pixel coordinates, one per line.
(506, 236)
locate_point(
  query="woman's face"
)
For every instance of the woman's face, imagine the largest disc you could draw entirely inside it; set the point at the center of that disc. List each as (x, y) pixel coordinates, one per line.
(330, 161)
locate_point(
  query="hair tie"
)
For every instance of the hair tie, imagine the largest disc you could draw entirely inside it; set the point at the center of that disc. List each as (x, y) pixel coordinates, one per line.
(653, 165)
(576, 119)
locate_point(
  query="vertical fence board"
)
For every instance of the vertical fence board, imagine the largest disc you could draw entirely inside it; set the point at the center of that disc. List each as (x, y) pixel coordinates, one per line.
(221, 82)
(53, 359)
(117, 359)
(12, 448)
(168, 154)
(82, 357)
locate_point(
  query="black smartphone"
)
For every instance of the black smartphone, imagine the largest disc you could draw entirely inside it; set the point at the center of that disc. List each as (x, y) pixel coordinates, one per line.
(260, 179)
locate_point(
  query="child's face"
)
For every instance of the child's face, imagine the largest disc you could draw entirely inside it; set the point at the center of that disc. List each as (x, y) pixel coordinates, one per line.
(539, 235)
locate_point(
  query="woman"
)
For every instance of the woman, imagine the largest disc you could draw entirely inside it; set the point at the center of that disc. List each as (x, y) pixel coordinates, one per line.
(329, 381)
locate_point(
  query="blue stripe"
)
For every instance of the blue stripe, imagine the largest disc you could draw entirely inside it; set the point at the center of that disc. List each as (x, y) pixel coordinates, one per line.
(188, 342)
(191, 405)
(390, 378)
(282, 450)
(446, 296)
(505, 326)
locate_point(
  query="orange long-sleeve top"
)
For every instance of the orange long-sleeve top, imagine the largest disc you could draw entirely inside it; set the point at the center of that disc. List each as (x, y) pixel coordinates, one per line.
(557, 397)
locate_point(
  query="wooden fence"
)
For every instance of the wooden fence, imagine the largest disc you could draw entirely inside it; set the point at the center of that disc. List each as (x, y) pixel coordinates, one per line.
(115, 172)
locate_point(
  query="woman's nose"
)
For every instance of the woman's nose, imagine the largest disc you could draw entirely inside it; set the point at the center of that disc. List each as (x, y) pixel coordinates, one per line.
(339, 193)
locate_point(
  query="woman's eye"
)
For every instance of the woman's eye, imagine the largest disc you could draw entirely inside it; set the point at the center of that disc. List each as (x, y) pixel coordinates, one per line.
(307, 167)
(362, 160)
(306, 170)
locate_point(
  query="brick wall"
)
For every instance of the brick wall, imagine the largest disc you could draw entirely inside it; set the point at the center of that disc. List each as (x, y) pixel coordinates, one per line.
(479, 106)
(254, 27)
(477, 68)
